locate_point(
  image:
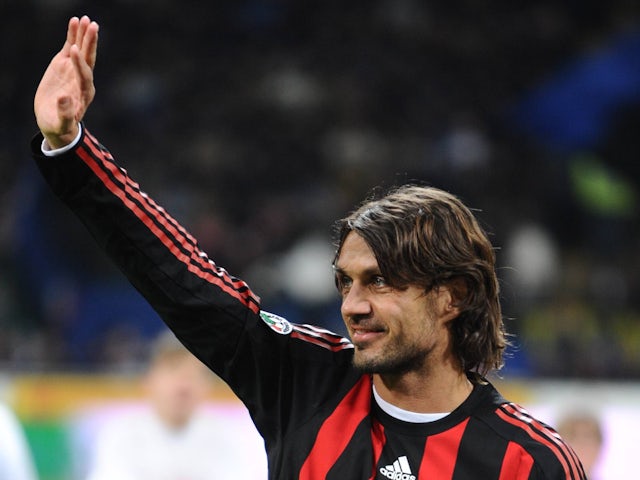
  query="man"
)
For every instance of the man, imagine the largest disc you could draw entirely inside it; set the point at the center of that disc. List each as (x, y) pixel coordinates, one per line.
(405, 400)
(584, 431)
(176, 438)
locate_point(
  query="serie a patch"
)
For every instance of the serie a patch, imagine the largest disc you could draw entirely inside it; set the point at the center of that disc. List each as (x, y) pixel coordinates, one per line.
(276, 323)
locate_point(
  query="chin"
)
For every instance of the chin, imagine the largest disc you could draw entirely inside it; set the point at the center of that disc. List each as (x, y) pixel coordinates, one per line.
(371, 364)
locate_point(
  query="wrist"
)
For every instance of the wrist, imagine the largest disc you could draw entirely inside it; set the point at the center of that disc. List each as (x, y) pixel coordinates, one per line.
(53, 145)
(59, 141)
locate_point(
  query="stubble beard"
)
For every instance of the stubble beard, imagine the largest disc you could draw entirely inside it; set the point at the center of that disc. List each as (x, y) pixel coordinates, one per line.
(395, 360)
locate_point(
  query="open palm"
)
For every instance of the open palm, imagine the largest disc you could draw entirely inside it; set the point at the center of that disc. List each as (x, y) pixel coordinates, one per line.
(66, 89)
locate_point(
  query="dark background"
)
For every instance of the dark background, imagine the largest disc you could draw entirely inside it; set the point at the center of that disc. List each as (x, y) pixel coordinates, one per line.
(259, 123)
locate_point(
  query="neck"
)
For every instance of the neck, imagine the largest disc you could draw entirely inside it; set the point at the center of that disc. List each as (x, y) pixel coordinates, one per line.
(435, 393)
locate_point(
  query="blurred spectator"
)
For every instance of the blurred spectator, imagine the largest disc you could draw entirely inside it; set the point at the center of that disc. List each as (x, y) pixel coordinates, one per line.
(176, 438)
(16, 462)
(533, 263)
(583, 432)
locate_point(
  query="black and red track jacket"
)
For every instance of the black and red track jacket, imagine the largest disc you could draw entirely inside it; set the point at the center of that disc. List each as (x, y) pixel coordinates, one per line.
(313, 409)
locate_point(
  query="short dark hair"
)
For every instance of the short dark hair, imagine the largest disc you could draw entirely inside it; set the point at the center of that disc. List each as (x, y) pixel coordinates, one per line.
(426, 237)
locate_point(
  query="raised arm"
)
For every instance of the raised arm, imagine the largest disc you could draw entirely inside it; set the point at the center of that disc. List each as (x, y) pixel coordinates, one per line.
(66, 89)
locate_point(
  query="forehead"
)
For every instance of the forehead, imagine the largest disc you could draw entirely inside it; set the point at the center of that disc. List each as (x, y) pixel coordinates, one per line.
(355, 254)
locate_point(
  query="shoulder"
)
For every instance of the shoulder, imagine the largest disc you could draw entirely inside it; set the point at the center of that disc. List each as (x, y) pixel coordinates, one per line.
(526, 441)
(531, 440)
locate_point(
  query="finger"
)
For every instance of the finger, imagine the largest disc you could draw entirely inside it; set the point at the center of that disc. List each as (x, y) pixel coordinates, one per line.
(72, 30)
(82, 29)
(84, 72)
(89, 48)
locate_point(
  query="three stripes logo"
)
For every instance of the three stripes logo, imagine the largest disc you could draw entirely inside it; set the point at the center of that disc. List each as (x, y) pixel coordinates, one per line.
(399, 470)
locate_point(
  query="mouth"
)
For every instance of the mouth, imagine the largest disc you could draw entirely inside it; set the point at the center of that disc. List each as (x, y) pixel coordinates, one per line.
(362, 336)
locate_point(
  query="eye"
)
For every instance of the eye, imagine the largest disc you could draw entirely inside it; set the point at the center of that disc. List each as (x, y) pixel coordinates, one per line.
(343, 282)
(378, 281)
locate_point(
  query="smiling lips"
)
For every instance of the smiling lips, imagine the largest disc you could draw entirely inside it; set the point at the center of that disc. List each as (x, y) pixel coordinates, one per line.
(363, 334)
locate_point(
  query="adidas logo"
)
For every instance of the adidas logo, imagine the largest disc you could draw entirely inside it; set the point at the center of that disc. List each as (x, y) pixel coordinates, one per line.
(400, 470)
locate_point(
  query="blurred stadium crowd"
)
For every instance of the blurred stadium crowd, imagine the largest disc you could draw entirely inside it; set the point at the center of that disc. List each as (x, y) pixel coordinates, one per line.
(257, 123)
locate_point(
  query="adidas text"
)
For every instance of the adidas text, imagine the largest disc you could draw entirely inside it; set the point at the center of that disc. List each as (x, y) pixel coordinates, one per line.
(396, 475)
(398, 470)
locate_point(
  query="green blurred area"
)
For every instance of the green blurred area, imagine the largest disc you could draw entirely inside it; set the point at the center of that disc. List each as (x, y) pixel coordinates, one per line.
(49, 442)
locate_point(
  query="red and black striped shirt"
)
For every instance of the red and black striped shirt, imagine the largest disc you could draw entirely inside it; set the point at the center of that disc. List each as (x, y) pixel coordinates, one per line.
(315, 412)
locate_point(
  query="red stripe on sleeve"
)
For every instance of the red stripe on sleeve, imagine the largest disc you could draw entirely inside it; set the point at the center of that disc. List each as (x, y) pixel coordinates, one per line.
(516, 464)
(217, 277)
(319, 342)
(553, 437)
(336, 431)
(441, 453)
(158, 213)
(518, 417)
(321, 337)
(180, 234)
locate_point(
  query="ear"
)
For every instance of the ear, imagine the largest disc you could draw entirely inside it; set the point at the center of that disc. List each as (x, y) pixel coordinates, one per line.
(459, 290)
(449, 297)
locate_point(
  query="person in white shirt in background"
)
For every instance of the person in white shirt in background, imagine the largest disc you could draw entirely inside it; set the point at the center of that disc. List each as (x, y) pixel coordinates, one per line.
(176, 438)
(584, 432)
(16, 461)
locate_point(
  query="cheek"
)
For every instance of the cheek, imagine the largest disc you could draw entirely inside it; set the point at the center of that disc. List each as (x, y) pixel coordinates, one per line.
(424, 327)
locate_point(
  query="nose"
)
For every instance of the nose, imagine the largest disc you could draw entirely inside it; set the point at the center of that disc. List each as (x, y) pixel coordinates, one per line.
(355, 303)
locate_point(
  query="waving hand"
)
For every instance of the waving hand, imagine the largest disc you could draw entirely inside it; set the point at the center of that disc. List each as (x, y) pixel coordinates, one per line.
(66, 89)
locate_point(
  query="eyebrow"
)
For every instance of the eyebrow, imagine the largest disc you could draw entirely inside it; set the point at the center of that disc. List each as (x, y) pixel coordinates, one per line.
(366, 272)
(338, 271)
